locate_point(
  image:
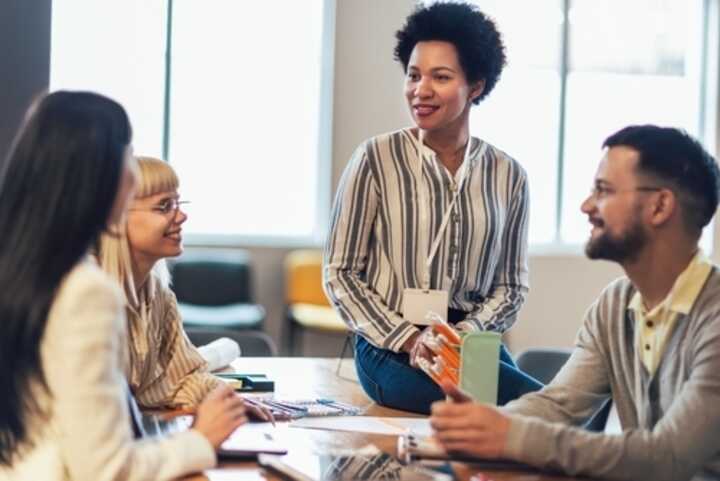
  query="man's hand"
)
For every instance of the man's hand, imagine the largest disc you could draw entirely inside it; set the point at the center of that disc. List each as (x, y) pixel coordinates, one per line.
(469, 427)
(416, 349)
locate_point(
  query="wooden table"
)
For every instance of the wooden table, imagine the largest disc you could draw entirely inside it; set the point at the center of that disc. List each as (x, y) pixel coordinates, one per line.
(297, 378)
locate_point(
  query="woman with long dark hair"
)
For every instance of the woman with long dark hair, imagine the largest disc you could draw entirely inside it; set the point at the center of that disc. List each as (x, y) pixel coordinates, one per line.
(64, 411)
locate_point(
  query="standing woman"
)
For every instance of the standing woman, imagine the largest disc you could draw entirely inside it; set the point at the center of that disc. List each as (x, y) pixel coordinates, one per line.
(431, 208)
(64, 410)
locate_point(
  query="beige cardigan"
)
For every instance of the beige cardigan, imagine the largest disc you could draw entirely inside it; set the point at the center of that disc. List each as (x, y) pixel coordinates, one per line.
(670, 418)
(87, 435)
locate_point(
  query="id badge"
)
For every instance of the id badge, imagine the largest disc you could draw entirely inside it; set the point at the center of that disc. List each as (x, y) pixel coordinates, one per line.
(418, 302)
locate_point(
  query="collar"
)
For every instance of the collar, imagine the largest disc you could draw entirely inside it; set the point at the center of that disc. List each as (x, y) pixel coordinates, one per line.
(685, 290)
(470, 156)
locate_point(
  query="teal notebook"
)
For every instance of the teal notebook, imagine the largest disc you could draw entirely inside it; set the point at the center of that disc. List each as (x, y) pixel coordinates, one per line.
(479, 366)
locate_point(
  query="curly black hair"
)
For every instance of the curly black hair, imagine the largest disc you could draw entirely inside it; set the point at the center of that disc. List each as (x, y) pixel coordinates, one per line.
(674, 157)
(479, 44)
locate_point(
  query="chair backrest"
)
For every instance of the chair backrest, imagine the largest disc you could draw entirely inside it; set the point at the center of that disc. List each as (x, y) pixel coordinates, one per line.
(303, 271)
(213, 278)
(542, 364)
(252, 343)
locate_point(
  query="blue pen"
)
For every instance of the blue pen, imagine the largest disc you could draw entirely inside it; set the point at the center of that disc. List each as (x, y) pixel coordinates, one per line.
(338, 405)
(291, 410)
(289, 405)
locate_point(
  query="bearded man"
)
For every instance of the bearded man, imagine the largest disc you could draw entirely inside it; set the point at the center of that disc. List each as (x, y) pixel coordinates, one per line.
(651, 341)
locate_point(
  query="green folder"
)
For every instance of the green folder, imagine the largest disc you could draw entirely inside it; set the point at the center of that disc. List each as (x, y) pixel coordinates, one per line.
(480, 366)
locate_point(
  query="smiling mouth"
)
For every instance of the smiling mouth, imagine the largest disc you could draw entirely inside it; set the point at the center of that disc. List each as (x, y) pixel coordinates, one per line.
(596, 223)
(176, 235)
(424, 110)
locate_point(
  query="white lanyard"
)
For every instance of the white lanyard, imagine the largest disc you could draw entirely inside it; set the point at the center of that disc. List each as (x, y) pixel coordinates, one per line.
(425, 207)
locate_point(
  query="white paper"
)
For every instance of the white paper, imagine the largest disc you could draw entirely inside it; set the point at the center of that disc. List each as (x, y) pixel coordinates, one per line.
(367, 424)
(220, 353)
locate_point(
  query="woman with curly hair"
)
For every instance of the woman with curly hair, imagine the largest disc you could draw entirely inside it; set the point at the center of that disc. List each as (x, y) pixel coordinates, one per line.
(431, 218)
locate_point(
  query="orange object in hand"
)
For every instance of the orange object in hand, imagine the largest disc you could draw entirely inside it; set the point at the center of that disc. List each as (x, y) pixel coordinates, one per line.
(442, 328)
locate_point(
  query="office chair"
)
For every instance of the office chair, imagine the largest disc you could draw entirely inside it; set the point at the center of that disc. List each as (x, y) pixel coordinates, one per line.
(544, 364)
(214, 290)
(307, 306)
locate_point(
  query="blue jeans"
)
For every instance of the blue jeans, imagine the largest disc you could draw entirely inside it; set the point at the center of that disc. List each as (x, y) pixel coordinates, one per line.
(389, 380)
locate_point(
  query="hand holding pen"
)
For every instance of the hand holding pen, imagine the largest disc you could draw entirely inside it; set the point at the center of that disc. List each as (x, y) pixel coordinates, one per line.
(255, 410)
(258, 411)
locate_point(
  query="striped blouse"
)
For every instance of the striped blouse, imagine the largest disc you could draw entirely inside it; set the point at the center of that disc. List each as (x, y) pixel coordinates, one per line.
(164, 369)
(377, 246)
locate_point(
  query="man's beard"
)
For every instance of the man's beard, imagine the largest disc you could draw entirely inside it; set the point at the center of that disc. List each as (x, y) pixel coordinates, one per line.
(625, 247)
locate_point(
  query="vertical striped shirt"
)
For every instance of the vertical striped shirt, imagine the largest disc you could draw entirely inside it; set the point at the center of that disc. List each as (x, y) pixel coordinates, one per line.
(378, 246)
(163, 368)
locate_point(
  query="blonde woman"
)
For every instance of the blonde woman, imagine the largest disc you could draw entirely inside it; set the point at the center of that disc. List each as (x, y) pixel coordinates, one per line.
(163, 368)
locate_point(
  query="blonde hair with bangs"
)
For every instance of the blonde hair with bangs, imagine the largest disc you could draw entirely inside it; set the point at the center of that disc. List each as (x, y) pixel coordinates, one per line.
(114, 253)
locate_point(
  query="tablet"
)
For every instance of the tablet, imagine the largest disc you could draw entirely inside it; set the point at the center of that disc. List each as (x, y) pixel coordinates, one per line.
(367, 464)
(249, 443)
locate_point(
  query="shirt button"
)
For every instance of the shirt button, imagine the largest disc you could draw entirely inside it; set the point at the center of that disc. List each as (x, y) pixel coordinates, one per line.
(453, 187)
(649, 324)
(647, 347)
(455, 217)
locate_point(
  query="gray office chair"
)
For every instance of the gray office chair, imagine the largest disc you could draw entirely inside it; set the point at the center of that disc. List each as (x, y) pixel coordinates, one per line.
(252, 343)
(214, 290)
(544, 364)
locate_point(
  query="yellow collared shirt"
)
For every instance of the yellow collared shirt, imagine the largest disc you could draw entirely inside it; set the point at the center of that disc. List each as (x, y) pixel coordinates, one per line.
(653, 329)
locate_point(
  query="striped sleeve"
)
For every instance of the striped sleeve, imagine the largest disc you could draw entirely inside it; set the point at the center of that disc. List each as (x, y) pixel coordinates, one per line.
(171, 372)
(346, 259)
(186, 368)
(498, 310)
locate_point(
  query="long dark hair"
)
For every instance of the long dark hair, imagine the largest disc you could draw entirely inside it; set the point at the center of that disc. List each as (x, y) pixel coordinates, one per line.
(57, 189)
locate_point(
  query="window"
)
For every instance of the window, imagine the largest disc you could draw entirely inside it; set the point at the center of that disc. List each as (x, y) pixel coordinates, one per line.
(116, 48)
(578, 70)
(203, 82)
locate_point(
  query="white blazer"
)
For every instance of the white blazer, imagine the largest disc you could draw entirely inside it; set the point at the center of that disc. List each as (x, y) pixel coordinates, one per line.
(88, 435)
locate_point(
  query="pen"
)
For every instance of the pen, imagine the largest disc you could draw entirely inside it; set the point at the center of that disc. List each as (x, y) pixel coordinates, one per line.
(291, 406)
(261, 407)
(285, 410)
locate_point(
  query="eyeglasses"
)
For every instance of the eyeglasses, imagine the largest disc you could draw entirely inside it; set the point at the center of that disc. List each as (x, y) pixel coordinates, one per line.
(599, 192)
(166, 208)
